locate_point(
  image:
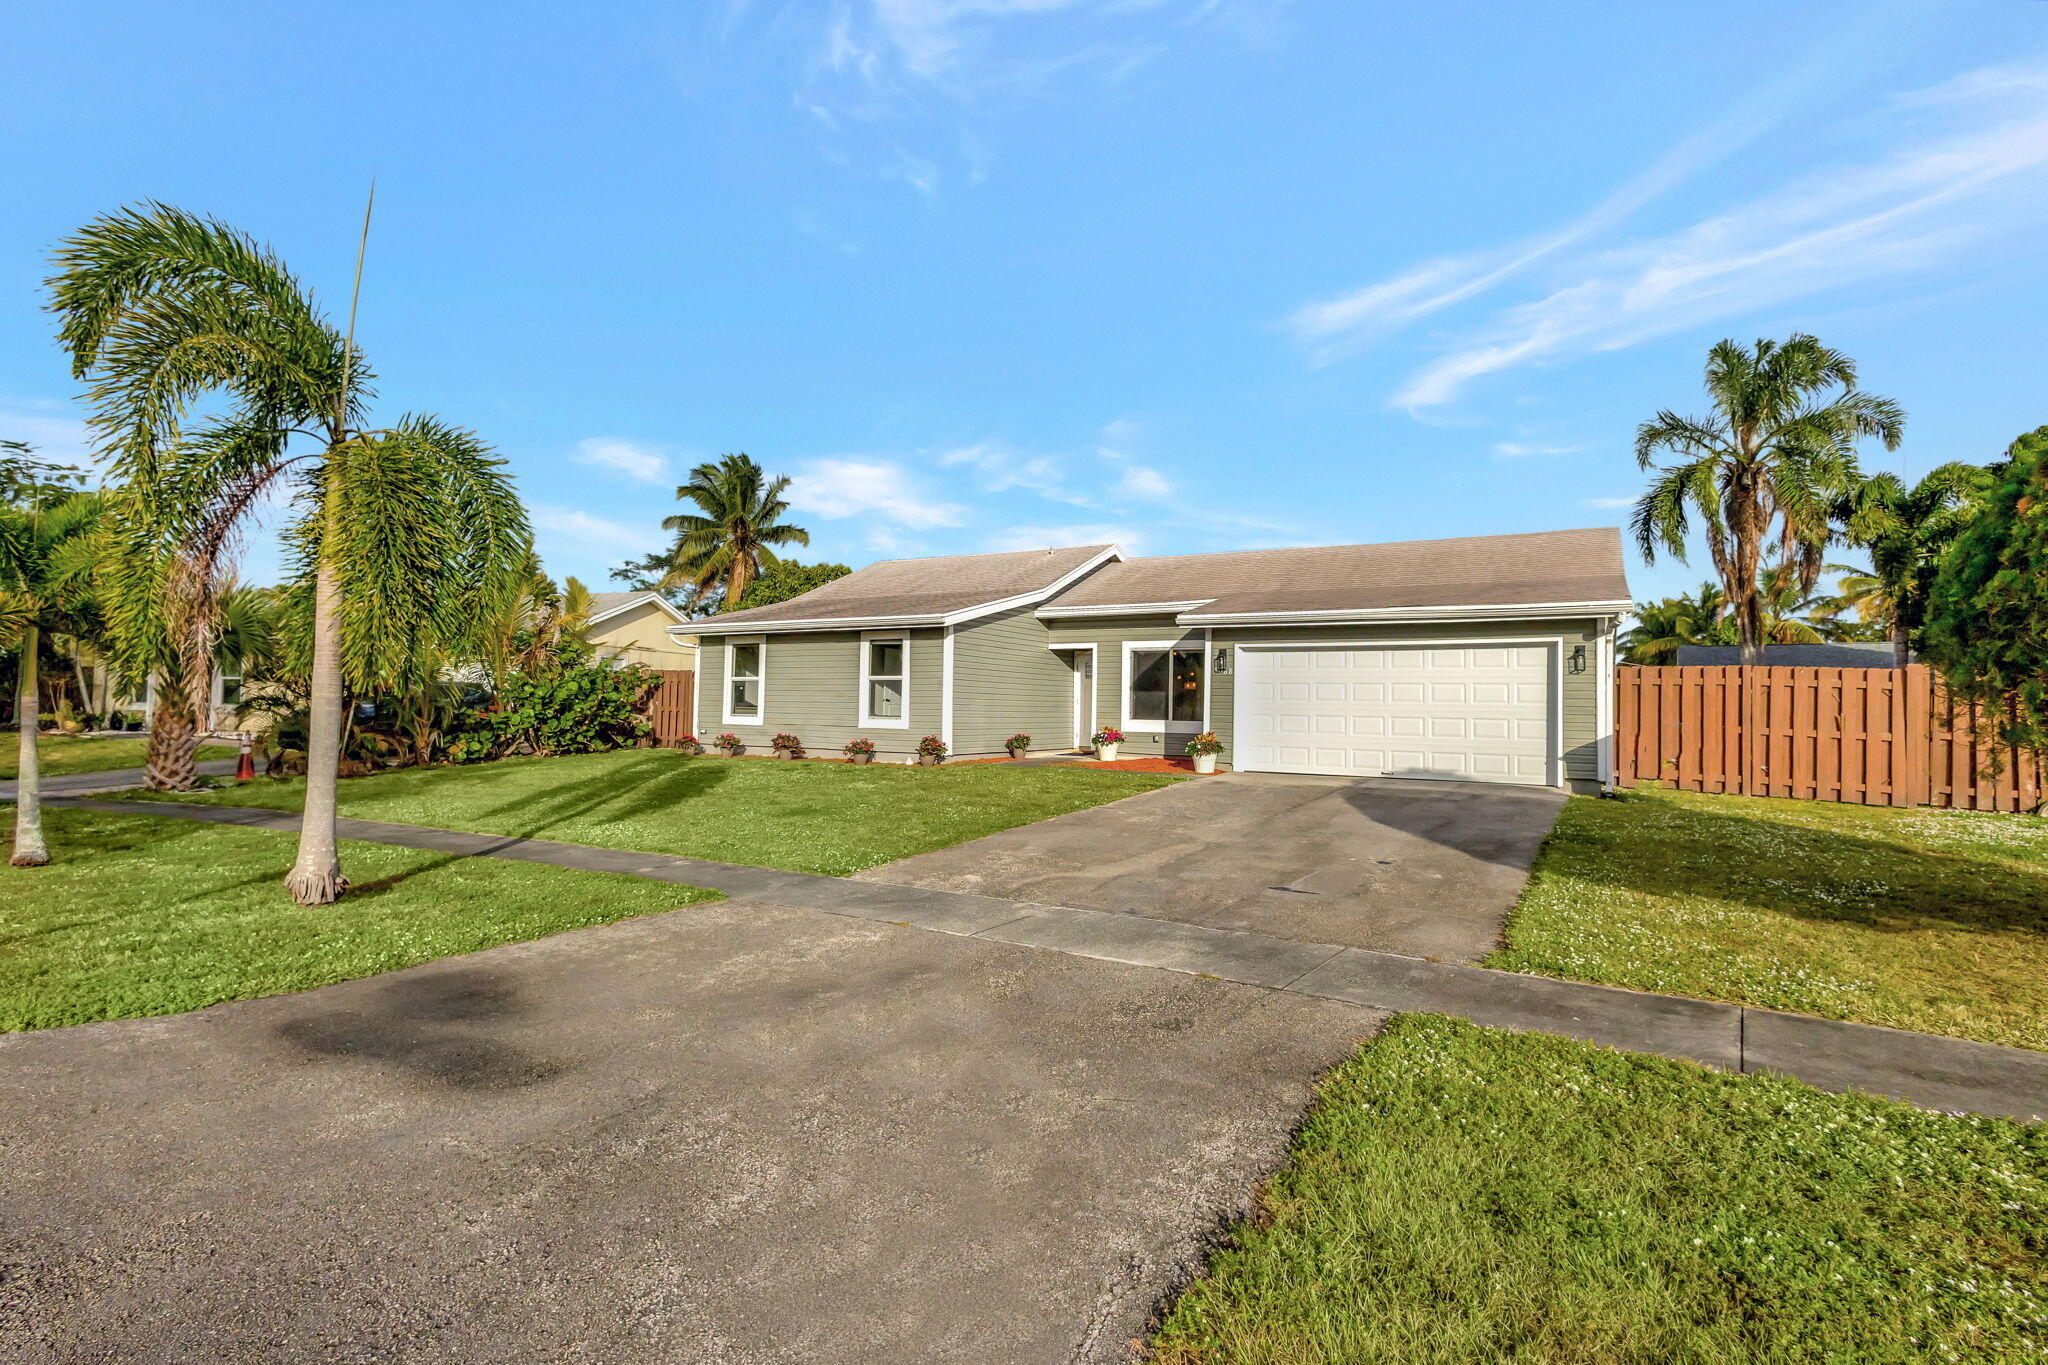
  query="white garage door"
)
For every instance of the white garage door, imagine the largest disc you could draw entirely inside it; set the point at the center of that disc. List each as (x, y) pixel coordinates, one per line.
(1478, 713)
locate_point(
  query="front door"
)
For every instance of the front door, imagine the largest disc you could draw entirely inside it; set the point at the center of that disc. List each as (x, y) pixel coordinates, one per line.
(1084, 694)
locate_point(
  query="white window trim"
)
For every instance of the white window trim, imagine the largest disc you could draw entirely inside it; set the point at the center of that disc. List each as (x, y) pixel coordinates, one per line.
(1162, 727)
(725, 681)
(867, 639)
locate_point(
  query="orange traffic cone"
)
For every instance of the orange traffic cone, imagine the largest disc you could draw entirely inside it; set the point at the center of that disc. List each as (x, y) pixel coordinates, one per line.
(245, 766)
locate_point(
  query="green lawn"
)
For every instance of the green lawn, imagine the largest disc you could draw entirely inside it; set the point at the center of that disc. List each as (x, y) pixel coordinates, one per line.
(1918, 919)
(829, 818)
(61, 754)
(1461, 1195)
(142, 916)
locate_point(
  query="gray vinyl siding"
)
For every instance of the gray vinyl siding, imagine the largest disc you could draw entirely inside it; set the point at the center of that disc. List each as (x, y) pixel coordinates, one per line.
(1006, 680)
(1109, 634)
(811, 688)
(1581, 702)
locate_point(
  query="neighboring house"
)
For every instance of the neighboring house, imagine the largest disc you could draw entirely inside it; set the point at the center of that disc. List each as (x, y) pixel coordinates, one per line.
(1488, 659)
(1854, 654)
(640, 628)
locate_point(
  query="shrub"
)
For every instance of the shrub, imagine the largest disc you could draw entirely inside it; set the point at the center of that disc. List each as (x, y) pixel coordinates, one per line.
(577, 705)
(1017, 741)
(786, 743)
(1205, 743)
(931, 746)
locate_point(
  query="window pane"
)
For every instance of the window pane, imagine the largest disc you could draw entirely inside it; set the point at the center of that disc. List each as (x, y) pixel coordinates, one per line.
(885, 659)
(885, 699)
(746, 696)
(1187, 685)
(746, 661)
(1148, 684)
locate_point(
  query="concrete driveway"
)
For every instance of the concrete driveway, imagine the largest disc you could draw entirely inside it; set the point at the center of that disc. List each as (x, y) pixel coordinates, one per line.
(1429, 869)
(735, 1133)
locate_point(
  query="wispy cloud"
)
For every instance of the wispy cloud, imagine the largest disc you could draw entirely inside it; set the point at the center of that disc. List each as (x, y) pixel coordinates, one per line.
(571, 533)
(1000, 467)
(1610, 502)
(1958, 175)
(839, 487)
(50, 428)
(628, 458)
(1084, 533)
(1518, 449)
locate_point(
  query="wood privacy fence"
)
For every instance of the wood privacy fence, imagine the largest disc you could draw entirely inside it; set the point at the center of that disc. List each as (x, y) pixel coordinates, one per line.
(1868, 736)
(673, 706)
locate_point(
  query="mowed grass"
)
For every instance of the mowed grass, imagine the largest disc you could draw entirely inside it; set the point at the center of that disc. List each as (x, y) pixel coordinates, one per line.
(828, 818)
(1458, 1195)
(1918, 919)
(60, 755)
(142, 916)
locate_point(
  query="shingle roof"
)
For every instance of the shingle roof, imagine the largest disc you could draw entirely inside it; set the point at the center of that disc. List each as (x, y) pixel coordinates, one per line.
(1471, 571)
(898, 589)
(1846, 654)
(603, 603)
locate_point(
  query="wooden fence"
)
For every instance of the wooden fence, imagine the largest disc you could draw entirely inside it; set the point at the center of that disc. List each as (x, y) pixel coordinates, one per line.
(1868, 736)
(673, 707)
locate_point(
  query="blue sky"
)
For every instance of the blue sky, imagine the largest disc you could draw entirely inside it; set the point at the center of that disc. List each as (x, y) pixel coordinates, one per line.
(1186, 274)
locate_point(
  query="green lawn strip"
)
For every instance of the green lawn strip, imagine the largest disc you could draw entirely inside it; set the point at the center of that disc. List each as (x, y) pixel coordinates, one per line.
(63, 754)
(828, 818)
(1931, 920)
(143, 916)
(1459, 1194)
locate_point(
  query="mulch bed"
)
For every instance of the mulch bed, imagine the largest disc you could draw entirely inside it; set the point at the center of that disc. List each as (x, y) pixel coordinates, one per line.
(1139, 765)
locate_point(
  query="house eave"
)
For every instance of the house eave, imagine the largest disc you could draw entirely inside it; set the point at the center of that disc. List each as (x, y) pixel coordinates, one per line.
(1495, 611)
(1122, 609)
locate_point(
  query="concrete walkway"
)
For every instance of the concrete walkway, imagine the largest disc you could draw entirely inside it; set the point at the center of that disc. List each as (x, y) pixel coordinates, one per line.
(1935, 1072)
(117, 780)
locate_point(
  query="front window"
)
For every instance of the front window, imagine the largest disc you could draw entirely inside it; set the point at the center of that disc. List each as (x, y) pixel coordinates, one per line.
(885, 680)
(1166, 687)
(230, 689)
(745, 683)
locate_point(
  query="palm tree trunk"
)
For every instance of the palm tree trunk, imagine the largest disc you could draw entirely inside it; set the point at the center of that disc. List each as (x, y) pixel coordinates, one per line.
(1902, 652)
(173, 744)
(1745, 594)
(316, 878)
(29, 849)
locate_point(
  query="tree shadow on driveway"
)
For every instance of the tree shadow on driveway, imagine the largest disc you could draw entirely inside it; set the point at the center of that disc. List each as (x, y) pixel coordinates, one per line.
(436, 1027)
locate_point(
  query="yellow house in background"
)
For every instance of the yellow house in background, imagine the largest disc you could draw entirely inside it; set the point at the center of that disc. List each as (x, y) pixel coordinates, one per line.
(633, 627)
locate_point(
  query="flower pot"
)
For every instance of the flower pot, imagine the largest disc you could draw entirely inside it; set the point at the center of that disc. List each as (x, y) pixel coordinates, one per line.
(860, 758)
(732, 753)
(1205, 763)
(929, 760)
(689, 750)
(789, 753)
(1016, 754)
(1106, 752)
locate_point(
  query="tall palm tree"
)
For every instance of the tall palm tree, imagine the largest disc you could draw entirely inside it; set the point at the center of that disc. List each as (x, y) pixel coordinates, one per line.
(1906, 530)
(729, 537)
(46, 562)
(1779, 447)
(409, 536)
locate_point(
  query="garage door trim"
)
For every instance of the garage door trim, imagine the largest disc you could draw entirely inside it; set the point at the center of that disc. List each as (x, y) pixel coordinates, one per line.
(1554, 671)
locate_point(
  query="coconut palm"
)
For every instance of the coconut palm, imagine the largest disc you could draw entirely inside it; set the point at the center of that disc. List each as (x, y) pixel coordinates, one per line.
(729, 538)
(1906, 530)
(46, 562)
(1661, 628)
(408, 537)
(1779, 447)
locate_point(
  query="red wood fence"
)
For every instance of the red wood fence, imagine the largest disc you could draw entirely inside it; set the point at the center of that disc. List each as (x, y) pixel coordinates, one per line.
(1868, 736)
(673, 706)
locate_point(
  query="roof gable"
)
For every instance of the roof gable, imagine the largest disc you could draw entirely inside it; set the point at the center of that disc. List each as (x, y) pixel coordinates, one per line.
(927, 591)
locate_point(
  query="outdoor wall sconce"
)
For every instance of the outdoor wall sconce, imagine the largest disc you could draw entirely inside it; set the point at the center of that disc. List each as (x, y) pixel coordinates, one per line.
(1223, 662)
(1578, 658)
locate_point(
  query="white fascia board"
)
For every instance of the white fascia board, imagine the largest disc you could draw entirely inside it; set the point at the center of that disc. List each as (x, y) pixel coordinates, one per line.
(1060, 584)
(1123, 609)
(1476, 612)
(654, 597)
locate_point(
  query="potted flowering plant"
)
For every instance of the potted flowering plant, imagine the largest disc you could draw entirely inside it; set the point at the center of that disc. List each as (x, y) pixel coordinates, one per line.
(732, 746)
(1105, 740)
(786, 745)
(859, 750)
(1018, 745)
(1203, 748)
(931, 751)
(689, 745)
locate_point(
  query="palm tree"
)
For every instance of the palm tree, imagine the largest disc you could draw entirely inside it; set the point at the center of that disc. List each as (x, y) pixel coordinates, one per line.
(1779, 448)
(46, 562)
(409, 536)
(1906, 530)
(1662, 627)
(728, 539)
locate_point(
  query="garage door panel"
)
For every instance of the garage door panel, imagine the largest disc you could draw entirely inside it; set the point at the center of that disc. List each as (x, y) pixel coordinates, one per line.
(1479, 713)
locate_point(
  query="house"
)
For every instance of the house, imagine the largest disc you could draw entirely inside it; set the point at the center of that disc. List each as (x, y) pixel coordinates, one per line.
(1847, 654)
(641, 628)
(1487, 659)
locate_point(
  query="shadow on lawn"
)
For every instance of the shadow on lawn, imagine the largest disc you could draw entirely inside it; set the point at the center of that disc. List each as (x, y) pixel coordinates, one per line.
(436, 1025)
(645, 786)
(1644, 843)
